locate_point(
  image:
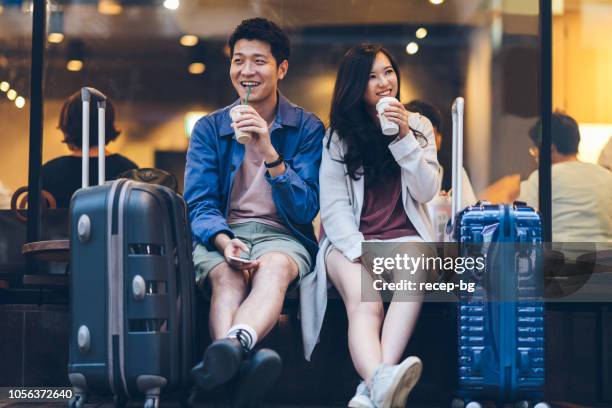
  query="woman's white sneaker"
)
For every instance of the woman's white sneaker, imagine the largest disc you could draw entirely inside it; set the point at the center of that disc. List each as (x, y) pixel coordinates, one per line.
(361, 399)
(392, 384)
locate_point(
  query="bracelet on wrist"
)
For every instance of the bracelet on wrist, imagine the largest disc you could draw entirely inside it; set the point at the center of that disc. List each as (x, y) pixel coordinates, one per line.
(275, 163)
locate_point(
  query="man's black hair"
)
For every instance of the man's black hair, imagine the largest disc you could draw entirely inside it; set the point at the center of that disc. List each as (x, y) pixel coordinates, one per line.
(263, 30)
(564, 133)
(429, 111)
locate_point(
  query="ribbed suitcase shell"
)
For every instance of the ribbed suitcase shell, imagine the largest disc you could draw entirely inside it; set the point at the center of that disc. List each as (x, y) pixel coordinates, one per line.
(132, 283)
(501, 343)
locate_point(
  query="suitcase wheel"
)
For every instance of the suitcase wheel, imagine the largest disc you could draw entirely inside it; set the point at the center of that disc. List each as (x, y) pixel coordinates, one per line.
(473, 404)
(77, 401)
(151, 402)
(522, 404)
(542, 405)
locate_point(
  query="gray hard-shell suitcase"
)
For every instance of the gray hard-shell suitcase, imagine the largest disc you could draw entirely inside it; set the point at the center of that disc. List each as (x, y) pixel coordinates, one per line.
(132, 285)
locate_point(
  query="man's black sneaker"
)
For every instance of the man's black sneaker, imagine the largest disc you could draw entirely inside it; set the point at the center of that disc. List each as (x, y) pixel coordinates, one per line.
(257, 376)
(220, 364)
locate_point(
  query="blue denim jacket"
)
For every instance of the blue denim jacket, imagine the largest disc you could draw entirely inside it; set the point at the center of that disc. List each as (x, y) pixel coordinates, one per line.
(214, 156)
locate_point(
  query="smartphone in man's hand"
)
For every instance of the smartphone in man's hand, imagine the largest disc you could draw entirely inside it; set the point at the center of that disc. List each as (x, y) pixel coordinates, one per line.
(240, 260)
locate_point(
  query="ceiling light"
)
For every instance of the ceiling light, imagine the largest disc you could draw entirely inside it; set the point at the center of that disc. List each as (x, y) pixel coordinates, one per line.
(74, 65)
(189, 40)
(412, 48)
(421, 33)
(20, 102)
(75, 55)
(11, 94)
(4, 86)
(436, 2)
(110, 7)
(55, 38)
(56, 27)
(197, 68)
(171, 4)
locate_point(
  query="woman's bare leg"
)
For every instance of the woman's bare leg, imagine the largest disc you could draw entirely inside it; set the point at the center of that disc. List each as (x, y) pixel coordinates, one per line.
(365, 318)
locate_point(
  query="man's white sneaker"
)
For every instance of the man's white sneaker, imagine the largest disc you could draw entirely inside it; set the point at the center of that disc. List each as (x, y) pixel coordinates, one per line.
(392, 384)
(361, 399)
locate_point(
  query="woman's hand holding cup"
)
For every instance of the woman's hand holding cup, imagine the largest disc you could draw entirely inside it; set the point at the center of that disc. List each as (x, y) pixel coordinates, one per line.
(389, 128)
(397, 114)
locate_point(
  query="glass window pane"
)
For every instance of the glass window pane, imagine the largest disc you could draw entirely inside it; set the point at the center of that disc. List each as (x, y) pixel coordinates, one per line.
(15, 63)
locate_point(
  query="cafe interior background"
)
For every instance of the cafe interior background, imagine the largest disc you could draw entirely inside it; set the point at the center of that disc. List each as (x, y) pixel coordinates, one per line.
(165, 63)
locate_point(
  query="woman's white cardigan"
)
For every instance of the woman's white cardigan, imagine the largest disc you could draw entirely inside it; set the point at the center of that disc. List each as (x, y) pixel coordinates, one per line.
(341, 202)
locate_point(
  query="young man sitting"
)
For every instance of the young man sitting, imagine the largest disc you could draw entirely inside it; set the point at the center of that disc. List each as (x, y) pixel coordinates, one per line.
(251, 208)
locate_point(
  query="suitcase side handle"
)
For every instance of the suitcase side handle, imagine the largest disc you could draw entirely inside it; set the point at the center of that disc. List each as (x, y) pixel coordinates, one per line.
(88, 95)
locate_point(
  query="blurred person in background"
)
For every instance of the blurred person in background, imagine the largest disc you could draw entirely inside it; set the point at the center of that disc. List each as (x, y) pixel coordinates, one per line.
(605, 157)
(581, 192)
(440, 207)
(435, 117)
(62, 176)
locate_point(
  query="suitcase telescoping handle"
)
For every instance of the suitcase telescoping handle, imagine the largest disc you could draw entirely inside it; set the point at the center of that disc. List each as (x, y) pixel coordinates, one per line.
(89, 95)
(457, 113)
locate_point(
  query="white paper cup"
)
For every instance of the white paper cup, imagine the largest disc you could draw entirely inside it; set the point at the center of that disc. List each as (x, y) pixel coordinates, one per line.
(241, 137)
(388, 128)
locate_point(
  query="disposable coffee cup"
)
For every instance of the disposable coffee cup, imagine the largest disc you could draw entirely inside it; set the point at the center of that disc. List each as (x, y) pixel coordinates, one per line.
(388, 128)
(241, 136)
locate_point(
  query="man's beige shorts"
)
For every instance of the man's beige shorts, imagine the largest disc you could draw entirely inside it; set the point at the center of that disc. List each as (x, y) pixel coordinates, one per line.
(260, 239)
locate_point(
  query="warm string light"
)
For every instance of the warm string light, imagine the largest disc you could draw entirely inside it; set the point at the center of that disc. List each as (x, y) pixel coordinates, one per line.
(412, 48)
(20, 102)
(421, 33)
(12, 94)
(172, 4)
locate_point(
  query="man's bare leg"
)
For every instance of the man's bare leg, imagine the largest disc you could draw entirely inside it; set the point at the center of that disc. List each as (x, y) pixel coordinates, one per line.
(229, 290)
(263, 305)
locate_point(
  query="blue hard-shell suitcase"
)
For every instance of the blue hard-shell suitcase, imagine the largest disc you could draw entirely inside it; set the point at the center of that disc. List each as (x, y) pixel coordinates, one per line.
(500, 326)
(132, 289)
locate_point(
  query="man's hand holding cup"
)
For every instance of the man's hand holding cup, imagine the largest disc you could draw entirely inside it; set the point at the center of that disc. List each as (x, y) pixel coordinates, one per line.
(249, 121)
